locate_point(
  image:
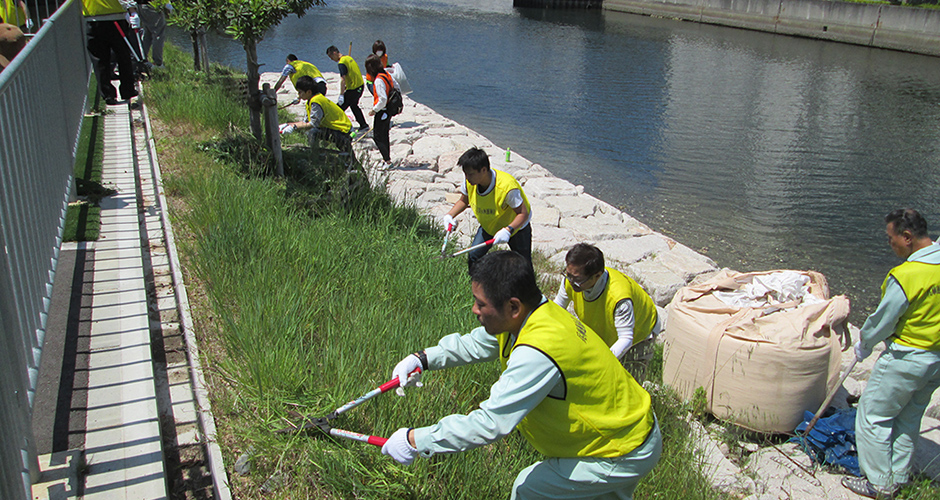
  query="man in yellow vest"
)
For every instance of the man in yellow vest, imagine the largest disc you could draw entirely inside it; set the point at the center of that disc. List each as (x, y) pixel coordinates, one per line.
(499, 204)
(560, 387)
(106, 21)
(903, 378)
(324, 119)
(350, 85)
(295, 68)
(612, 304)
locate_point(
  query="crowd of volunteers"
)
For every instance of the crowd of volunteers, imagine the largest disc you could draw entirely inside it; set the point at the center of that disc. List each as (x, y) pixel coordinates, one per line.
(569, 380)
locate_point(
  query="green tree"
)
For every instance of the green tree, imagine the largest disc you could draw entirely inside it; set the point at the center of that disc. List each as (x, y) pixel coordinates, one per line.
(198, 17)
(247, 21)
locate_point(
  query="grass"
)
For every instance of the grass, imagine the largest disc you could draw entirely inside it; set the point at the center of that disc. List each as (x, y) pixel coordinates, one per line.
(307, 290)
(83, 218)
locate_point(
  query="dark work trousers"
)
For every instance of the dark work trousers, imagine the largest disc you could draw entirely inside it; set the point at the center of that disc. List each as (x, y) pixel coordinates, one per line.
(521, 243)
(104, 37)
(380, 134)
(351, 100)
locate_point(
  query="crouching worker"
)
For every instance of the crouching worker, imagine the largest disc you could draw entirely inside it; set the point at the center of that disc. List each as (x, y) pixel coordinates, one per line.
(613, 305)
(324, 119)
(560, 386)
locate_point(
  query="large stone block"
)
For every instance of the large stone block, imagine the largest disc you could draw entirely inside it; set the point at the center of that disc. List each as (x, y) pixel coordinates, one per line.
(430, 147)
(404, 190)
(551, 240)
(685, 262)
(658, 281)
(415, 173)
(630, 250)
(542, 187)
(543, 214)
(573, 206)
(447, 162)
(597, 228)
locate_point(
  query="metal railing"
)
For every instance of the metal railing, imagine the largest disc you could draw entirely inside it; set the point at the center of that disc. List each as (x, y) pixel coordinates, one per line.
(42, 101)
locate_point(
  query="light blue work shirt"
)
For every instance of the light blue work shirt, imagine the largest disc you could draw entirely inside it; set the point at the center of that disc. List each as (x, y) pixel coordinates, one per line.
(529, 377)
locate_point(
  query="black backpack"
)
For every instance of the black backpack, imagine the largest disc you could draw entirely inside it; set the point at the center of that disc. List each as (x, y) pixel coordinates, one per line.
(394, 104)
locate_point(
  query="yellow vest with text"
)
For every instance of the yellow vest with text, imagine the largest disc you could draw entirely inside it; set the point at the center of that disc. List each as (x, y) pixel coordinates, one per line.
(919, 326)
(353, 75)
(12, 13)
(333, 116)
(491, 210)
(303, 68)
(604, 413)
(91, 8)
(599, 313)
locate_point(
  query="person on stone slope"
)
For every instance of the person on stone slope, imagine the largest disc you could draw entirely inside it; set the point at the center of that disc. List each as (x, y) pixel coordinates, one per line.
(499, 204)
(324, 119)
(907, 320)
(613, 305)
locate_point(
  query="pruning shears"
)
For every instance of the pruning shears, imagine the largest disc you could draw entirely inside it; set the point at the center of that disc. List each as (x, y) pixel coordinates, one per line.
(324, 423)
(474, 247)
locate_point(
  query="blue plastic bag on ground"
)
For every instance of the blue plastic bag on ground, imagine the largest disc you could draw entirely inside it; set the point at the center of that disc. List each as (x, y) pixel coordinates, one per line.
(831, 440)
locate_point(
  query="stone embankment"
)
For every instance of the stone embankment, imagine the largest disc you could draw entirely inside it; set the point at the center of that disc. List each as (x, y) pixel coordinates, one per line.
(424, 149)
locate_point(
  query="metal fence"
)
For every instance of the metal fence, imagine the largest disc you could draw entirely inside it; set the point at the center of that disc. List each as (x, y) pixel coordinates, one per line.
(42, 100)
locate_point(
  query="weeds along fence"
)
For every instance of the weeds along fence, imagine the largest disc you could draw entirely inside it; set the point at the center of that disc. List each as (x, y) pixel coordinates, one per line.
(42, 101)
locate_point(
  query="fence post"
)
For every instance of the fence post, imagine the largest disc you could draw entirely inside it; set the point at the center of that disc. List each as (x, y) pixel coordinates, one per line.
(272, 137)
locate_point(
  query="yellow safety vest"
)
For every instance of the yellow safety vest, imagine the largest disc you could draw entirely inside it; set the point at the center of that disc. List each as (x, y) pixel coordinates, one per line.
(599, 313)
(919, 326)
(333, 116)
(91, 8)
(491, 210)
(303, 68)
(12, 13)
(353, 75)
(604, 413)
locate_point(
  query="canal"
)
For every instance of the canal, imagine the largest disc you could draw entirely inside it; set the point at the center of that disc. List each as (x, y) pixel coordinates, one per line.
(758, 150)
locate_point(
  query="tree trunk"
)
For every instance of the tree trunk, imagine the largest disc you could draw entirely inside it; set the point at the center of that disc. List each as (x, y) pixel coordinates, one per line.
(203, 50)
(254, 93)
(194, 36)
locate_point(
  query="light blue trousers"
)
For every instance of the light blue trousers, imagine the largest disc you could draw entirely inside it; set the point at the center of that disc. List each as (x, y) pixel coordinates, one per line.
(589, 478)
(887, 424)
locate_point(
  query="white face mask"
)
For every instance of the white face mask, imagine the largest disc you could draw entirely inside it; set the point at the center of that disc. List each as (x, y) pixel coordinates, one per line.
(379, 53)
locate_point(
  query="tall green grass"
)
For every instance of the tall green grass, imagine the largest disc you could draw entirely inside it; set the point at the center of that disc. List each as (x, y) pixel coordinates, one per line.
(317, 286)
(83, 218)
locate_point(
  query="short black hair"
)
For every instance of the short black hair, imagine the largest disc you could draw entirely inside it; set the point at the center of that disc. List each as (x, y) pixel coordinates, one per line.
(306, 83)
(588, 257)
(291, 57)
(505, 274)
(908, 219)
(474, 158)
(377, 46)
(331, 49)
(374, 65)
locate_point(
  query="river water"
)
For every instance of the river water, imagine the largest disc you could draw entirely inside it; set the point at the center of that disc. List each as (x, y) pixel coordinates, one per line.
(758, 150)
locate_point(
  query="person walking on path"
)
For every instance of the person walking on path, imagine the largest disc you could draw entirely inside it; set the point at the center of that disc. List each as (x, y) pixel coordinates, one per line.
(295, 69)
(324, 119)
(378, 50)
(383, 84)
(903, 378)
(350, 85)
(153, 18)
(106, 20)
(614, 305)
(560, 387)
(499, 204)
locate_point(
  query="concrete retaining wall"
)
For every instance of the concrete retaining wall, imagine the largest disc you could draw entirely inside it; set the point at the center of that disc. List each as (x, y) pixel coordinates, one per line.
(883, 26)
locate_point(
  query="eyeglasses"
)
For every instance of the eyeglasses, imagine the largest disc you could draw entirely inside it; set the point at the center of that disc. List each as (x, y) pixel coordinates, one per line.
(576, 281)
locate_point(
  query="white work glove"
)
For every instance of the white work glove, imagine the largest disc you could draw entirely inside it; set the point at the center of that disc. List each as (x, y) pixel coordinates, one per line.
(401, 371)
(169, 8)
(339, 100)
(286, 128)
(449, 222)
(29, 24)
(134, 21)
(399, 448)
(501, 236)
(860, 352)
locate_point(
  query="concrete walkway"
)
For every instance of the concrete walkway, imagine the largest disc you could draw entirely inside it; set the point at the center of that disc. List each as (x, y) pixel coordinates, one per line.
(136, 420)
